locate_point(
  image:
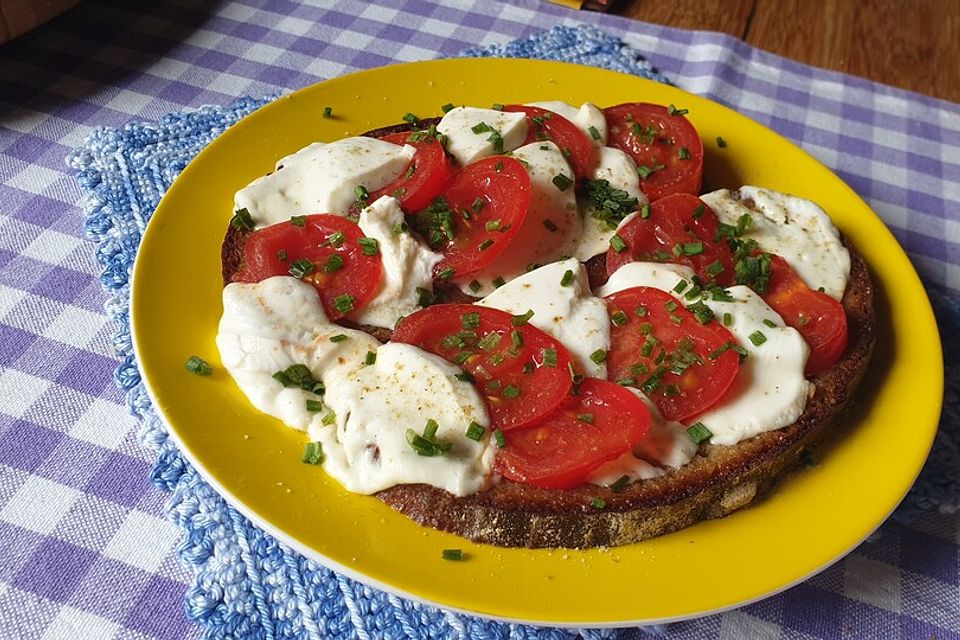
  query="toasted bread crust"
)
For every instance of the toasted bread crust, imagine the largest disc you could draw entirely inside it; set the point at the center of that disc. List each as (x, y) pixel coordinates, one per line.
(718, 481)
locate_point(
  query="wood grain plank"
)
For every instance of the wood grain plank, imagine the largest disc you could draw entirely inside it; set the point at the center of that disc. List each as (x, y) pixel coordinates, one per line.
(911, 44)
(729, 16)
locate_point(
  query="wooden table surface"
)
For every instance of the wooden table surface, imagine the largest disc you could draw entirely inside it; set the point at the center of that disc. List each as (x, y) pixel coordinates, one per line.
(913, 44)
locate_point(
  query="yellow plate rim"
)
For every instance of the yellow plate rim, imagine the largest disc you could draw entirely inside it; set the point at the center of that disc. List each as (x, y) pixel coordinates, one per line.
(924, 316)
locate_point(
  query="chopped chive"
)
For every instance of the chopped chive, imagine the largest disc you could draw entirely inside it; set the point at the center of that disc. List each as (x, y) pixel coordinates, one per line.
(680, 286)
(715, 268)
(312, 453)
(470, 320)
(425, 297)
(511, 391)
(599, 356)
(549, 357)
(464, 377)
(338, 338)
(241, 219)
(478, 204)
(522, 319)
(399, 228)
(698, 432)
(641, 311)
(369, 246)
(627, 382)
(282, 255)
(701, 312)
(337, 239)
(328, 112)
(199, 366)
(620, 484)
(698, 212)
(489, 341)
(361, 192)
(670, 305)
(727, 319)
(757, 338)
(492, 225)
(721, 142)
(598, 503)
(562, 182)
(430, 429)
(517, 339)
(409, 117)
(672, 110)
(498, 167)
(567, 278)
(298, 375)
(692, 248)
(500, 438)
(329, 418)
(683, 153)
(644, 171)
(769, 322)
(475, 431)
(301, 268)
(452, 554)
(617, 243)
(298, 221)
(447, 107)
(645, 211)
(446, 273)
(371, 357)
(594, 133)
(475, 286)
(314, 405)
(462, 357)
(619, 318)
(334, 262)
(585, 417)
(343, 303)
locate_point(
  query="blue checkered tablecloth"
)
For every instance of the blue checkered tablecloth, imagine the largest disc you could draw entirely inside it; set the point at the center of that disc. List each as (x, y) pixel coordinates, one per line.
(86, 549)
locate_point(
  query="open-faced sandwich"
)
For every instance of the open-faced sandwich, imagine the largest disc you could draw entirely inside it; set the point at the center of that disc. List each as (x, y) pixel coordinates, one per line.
(526, 326)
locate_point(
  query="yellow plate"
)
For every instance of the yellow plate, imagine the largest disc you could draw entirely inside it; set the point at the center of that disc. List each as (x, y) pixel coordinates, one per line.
(813, 519)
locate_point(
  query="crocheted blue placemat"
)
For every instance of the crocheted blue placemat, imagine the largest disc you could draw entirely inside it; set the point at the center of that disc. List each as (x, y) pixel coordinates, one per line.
(247, 584)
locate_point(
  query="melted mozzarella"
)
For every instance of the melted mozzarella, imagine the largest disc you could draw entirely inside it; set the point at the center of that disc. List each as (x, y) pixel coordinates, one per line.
(666, 446)
(796, 229)
(619, 169)
(368, 451)
(466, 146)
(588, 115)
(322, 178)
(407, 265)
(569, 313)
(550, 208)
(274, 324)
(770, 390)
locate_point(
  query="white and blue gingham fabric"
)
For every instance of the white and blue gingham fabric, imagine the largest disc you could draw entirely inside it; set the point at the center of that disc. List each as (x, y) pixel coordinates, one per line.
(86, 546)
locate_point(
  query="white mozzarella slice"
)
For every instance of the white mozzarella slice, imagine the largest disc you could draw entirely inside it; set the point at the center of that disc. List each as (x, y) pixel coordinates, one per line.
(587, 116)
(620, 171)
(663, 276)
(322, 178)
(368, 449)
(407, 265)
(795, 229)
(277, 323)
(570, 313)
(770, 390)
(467, 146)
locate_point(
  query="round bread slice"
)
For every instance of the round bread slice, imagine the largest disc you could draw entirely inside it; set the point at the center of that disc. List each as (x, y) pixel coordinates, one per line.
(718, 481)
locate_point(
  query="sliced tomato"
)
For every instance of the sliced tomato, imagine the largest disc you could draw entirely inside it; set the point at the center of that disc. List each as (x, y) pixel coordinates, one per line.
(477, 215)
(667, 149)
(681, 229)
(425, 177)
(820, 319)
(600, 424)
(522, 372)
(661, 348)
(575, 146)
(335, 264)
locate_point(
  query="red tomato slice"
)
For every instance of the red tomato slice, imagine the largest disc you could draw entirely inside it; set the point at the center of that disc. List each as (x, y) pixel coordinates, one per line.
(820, 319)
(477, 216)
(522, 372)
(681, 229)
(547, 125)
(344, 276)
(560, 451)
(425, 177)
(661, 348)
(667, 149)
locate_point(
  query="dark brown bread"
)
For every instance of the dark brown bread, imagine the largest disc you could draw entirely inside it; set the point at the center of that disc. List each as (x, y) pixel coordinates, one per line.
(718, 481)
